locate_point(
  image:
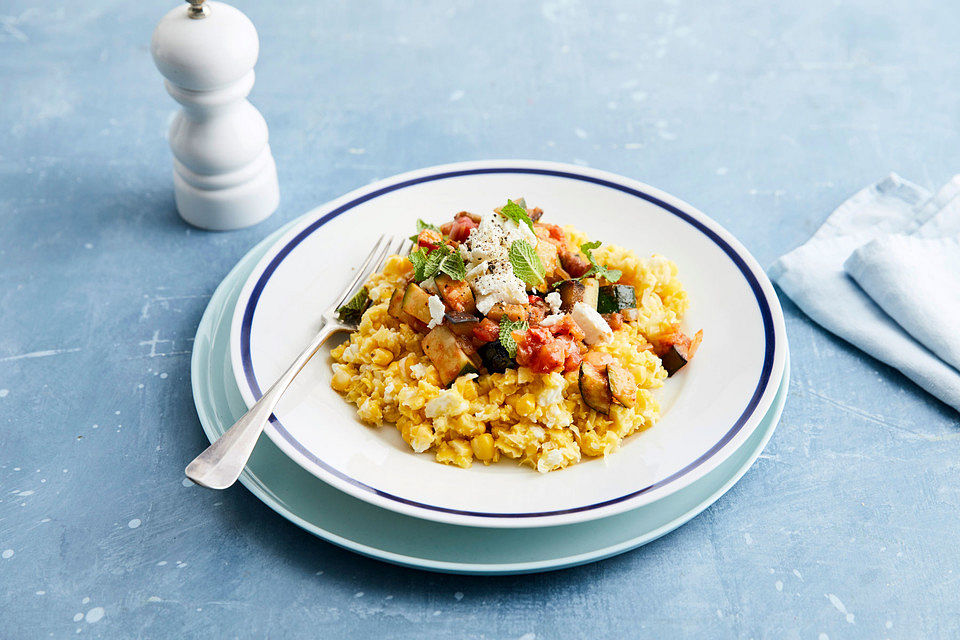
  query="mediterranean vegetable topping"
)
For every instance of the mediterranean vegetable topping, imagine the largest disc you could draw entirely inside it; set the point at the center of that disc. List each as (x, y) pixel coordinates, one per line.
(504, 290)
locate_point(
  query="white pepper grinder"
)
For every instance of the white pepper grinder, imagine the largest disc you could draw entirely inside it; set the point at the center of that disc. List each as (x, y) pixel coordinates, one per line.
(224, 176)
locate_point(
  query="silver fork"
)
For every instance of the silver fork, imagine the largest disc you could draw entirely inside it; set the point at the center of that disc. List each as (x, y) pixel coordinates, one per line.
(221, 463)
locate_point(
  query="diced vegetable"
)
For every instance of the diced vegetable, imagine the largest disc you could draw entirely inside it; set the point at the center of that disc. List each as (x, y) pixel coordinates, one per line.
(416, 303)
(447, 355)
(614, 297)
(462, 324)
(396, 304)
(623, 386)
(486, 331)
(514, 312)
(574, 263)
(495, 357)
(594, 388)
(456, 293)
(396, 310)
(591, 292)
(571, 292)
(680, 352)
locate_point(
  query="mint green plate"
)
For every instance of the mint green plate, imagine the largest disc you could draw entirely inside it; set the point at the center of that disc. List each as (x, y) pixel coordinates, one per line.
(359, 526)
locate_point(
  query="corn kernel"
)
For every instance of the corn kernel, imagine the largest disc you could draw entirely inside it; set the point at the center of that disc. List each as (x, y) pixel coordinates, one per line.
(341, 381)
(381, 357)
(526, 404)
(482, 446)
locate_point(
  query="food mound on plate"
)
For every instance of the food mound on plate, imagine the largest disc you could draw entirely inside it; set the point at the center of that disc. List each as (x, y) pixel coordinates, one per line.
(502, 335)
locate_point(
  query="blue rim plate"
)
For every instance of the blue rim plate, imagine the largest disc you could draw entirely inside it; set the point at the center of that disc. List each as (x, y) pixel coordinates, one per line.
(358, 526)
(710, 411)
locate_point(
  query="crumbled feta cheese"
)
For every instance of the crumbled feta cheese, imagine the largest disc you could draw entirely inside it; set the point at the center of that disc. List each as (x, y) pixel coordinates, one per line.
(486, 253)
(549, 321)
(553, 299)
(448, 403)
(429, 285)
(418, 370)
(595, 328)
(437, 310)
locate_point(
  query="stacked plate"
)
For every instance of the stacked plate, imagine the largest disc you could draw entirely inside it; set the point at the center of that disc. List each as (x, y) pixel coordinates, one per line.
(363, 489)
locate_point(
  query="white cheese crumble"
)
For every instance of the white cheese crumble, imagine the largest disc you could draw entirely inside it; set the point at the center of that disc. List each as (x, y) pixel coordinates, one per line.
(595, 328)
(435, 304)
(418, 370)
(549, 321)
(553, 299)
(448, 403)
(486, 253)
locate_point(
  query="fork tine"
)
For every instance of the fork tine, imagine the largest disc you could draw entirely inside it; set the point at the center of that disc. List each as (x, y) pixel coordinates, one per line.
(372, 258)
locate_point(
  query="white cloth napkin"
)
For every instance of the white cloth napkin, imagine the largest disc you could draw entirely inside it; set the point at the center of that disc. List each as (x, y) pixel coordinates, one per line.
(883, 273)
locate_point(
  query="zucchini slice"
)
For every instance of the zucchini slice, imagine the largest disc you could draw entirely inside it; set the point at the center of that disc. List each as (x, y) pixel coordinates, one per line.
(456, 293)
(447, 355)
(594, 388)
(396, 310)
(591, 292)
(614, 297)
(571, 292)
(416, 303)
(623, 387)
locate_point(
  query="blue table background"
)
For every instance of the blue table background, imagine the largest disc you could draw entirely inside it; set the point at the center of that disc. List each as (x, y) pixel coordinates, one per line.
(764, 115)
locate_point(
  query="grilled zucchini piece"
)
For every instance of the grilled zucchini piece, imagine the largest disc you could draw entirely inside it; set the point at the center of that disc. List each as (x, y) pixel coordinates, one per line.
(447, 355)
(615, 297)
(594, 388)
(623, 386)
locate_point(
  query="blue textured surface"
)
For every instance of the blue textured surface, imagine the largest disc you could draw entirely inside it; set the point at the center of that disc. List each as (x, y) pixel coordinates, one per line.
(764, 115)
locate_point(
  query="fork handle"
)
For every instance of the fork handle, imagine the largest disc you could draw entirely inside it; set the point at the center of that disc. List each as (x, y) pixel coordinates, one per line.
(219, 466)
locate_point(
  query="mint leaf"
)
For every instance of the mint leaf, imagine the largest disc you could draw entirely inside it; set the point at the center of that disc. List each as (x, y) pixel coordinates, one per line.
(452, 265)
(526, 263)
(352, 311)
(421, 264)
(515, 212)
(507, 327)
(599, 270)
(427, 264)
(423, 226)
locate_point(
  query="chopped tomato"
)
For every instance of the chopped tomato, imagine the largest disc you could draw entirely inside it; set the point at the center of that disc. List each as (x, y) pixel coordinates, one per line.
(486, 331)
(567, 327)
(572, 353)
(615, 320)
(553, 233)
(539, 350)
(461, 228)
(429, 239)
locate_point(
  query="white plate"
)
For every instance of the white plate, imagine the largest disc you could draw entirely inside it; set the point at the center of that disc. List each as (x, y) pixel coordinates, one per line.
(709, 409)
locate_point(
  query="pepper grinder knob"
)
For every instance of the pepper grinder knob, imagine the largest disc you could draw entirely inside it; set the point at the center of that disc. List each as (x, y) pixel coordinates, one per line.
(197, 10)
(224, 175)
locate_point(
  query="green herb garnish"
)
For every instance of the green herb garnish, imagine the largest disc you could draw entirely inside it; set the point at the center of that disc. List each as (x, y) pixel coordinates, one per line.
(442, 259)
(515, 212)
(526, 263)
(597, 269)
(423, 226)
(352, 311)
(507, 327)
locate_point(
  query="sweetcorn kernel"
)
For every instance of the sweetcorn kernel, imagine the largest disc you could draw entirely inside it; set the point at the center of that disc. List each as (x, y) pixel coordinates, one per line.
(482, 446)
(525, 404)
(341, 380)
(381, 357)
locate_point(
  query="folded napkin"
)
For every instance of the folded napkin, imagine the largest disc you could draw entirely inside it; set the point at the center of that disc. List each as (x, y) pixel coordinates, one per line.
(883, 273)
